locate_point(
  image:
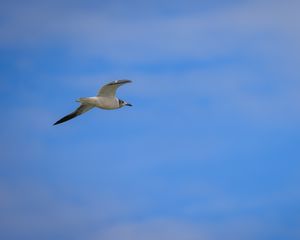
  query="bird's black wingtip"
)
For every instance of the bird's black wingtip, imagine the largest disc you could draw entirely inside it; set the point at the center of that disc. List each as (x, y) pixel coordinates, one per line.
(121, 81)
(66, 118)
(55, 123)
(126, 81)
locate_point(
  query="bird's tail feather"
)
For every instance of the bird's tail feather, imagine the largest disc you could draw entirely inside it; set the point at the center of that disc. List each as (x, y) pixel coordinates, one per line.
(83, 100)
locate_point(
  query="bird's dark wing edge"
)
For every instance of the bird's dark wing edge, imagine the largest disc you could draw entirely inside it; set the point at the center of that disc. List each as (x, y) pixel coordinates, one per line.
(81, 109)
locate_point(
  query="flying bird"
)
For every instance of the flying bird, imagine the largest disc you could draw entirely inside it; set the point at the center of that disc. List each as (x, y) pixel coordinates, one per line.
(105, 99)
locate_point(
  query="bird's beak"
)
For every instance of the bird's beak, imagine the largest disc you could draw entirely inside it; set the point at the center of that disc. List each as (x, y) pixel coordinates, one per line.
(128, 104)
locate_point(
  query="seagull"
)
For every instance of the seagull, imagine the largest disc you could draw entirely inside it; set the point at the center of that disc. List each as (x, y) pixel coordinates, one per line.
(105, 99)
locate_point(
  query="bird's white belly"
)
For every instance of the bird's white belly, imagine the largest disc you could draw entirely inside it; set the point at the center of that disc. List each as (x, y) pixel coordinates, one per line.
(107, 103)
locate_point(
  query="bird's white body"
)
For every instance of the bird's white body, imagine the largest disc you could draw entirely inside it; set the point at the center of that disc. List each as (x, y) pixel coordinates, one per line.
(108, 103)
(106, 99)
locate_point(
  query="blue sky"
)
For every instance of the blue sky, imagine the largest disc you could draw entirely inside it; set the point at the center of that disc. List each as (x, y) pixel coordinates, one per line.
(209, 150)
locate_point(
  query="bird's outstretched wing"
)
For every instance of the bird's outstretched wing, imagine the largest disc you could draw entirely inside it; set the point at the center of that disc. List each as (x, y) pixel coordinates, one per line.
(80, 110)
(109, 90)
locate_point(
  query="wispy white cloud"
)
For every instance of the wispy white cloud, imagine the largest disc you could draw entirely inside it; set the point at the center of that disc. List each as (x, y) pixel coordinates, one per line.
(157, 229)
(38, 210)
(123, 38)
(35, 210)
(178, 229)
